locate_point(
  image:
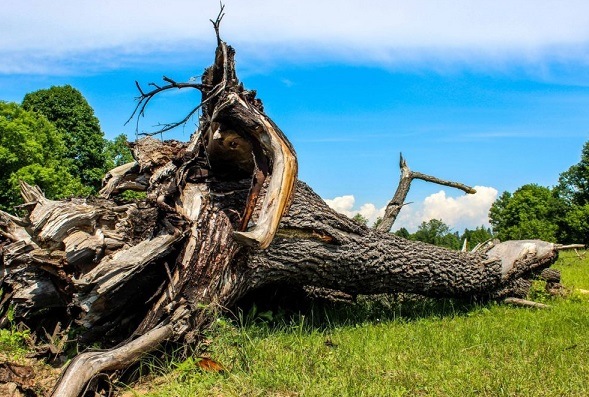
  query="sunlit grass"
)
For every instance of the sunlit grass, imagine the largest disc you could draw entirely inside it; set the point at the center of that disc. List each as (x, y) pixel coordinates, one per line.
(413, 349)
(13, 339)
(574, 268)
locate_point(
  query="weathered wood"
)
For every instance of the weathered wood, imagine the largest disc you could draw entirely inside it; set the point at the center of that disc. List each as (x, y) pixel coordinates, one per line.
(12, 228)
(563, 247)
(113, 273)
(316, 246)
(526, 303)
(121, 178)
(87, 365)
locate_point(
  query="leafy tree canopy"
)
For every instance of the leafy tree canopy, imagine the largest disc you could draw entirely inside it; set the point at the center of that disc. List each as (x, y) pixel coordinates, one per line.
(74, 118)
(360, 219)
(438, 233)
(559, 214)
(573, 184)
(573, 190)
(403, 232)
(32, 150)
(530, 213)
(117, 152)
(476, 236)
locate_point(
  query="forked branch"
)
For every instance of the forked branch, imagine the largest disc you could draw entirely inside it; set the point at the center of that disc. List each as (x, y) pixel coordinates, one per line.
(209, 91)
(146, 97)
(407, 176)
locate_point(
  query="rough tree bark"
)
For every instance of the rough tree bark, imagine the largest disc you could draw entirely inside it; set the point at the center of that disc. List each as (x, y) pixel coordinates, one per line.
(224, 215)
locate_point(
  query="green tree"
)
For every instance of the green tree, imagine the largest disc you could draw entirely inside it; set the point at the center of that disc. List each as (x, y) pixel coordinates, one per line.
(573, 184)
(573, 190)
(403, 232)
(360, 219)
(532, 212)
(574, 225)
(377, 222)
(32, 150)
(476, 236)
(438, 233)
(117, 152)
(74, 118)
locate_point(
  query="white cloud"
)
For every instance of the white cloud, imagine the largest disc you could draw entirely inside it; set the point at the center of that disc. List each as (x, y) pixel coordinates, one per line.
(467, 211)
(377, 30)
(345, 205)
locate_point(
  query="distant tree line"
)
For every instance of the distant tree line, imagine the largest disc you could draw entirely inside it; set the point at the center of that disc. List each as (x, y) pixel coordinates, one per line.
(436, 232)
(558, 214)
(53, 140)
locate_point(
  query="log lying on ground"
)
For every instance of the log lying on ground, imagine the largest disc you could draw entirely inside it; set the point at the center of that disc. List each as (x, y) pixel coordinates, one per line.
(224, 215)
(313, 246)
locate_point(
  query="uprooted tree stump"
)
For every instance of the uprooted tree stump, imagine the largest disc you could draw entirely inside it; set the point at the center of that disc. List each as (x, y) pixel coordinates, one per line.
(224, 215)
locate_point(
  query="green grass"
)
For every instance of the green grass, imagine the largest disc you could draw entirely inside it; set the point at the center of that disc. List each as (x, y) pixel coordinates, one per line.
(13, 341)
(574, 269)
(424, 348)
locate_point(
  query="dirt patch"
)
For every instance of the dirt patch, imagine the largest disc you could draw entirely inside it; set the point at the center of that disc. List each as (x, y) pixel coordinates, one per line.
(26, 377)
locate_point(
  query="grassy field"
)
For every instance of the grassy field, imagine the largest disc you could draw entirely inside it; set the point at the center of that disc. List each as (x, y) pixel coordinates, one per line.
(425, 348)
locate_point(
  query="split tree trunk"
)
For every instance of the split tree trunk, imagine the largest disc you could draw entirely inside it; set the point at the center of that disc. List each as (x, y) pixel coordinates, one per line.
(224, 215)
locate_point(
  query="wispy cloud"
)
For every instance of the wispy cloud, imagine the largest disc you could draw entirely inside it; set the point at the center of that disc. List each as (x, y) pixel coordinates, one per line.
(490, 135)
(288, 83)
(383, 32)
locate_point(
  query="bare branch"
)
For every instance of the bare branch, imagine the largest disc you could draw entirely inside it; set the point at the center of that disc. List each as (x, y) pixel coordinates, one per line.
(87, 365)
(145, 97)
(433, 179)
(526, 303)
(209, 91)
(560, 247)
(217, 22)
(407, 176)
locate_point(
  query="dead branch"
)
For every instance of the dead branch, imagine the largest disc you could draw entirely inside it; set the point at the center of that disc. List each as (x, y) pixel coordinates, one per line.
(146, 97)
(407, 176)
(86, 365)
(526, 303)
(562, 247)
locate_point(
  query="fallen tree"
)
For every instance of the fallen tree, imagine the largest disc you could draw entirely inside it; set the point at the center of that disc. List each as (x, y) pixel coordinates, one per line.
(224, 215)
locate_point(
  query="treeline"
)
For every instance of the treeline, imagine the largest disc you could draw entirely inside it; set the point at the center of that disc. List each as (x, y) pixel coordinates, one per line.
(436, 232)
(53, 139)
(558, 214)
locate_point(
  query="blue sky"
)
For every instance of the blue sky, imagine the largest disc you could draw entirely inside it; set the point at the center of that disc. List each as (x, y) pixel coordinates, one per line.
(491, 94)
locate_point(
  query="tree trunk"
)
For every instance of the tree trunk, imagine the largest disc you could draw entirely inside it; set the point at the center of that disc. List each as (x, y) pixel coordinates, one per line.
(224, 215)
(318, 247)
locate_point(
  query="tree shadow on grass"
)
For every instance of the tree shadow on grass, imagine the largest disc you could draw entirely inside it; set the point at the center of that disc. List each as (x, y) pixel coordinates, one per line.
(280, 306)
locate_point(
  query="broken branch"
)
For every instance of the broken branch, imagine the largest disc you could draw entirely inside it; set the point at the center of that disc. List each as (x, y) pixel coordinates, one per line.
(407, 176)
